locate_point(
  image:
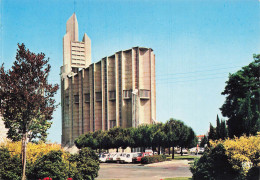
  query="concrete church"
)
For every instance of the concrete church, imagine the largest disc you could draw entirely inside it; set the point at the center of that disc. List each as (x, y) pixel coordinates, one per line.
(118, 90)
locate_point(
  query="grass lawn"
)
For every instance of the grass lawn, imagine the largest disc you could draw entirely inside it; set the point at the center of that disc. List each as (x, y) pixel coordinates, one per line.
(179, 178)
(179, 157)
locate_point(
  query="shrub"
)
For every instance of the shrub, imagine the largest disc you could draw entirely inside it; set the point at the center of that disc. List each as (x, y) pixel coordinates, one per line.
(85, 164)
(34, 151)
(253, 173)
(49, 165)
(10, 166)
(243, 152)
(153, 159)
(47, 160)
(214, 165)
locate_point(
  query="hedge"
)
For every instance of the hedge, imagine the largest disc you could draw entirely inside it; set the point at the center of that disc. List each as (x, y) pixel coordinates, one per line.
(153, 159)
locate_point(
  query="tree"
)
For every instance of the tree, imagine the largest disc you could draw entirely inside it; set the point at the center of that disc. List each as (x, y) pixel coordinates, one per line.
(218, 128)
(241, 106)
(212, 133)
(204, 141)
(86, 140)
(221, 129)
(157, 136)
(176, 134)
(27, 99)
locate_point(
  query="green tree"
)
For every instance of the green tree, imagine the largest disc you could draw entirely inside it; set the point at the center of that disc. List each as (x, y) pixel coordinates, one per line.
(157, 136)
(218, 128)
(204, 141)
(27, 99)
(212, 134)
(145, 136)
(115, 134)
(176, 134)
(241, 106)
(86, 140)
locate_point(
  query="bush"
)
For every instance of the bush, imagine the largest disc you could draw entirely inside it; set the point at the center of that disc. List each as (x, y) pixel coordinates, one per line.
(10, 166)
(34, 151)
(85, 164)
(243, 152)
(50, 165)
(214, 165)
(253, 173)
(153, 159)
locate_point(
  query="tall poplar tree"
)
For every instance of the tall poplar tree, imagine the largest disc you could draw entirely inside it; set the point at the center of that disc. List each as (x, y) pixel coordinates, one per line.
(27, 99)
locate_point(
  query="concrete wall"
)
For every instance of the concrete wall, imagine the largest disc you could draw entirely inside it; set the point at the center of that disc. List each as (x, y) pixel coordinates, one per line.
(109, 84)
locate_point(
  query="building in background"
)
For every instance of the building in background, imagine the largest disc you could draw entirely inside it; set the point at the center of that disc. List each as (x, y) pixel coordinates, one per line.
(3, 130)
(118, 90)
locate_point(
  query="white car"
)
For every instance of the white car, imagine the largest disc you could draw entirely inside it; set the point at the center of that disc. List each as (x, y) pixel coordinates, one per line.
(116, 156)
(184, 151)
(130, 157)
(193, 150)
(103, 157)
(110, 157)
(201, 150)
(121, 158)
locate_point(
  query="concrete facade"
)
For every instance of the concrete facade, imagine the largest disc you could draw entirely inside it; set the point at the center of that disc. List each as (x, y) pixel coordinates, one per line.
(3, 130)
(118, 90)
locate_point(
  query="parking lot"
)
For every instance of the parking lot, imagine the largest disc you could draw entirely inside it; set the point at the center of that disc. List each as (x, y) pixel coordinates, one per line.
(156, 171)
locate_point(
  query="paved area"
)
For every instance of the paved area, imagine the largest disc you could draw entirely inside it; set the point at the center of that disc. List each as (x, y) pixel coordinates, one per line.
(157, 171)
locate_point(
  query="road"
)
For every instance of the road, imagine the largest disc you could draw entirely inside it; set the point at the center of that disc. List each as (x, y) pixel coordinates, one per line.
(156, 171)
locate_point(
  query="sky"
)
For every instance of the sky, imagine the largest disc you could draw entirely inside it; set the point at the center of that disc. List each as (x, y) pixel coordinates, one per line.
(196, 44)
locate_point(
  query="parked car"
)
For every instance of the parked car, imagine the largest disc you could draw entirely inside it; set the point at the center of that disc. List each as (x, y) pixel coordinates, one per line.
(121, 158)
(201, 150)
(193, 150)
(116, 156)
(143, 154)
(103, 157)
(130, 157)
(110, 157)
(184, 151)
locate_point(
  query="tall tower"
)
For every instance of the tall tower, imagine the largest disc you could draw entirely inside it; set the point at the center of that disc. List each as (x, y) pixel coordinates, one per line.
(76, 55)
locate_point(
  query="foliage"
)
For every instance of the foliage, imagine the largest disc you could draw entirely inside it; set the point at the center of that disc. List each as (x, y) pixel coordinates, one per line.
(243, 153)
(49, 165)
(173, 133)
(218, 132)
(253, 173)
(241, 106)
(86, 140)
(204, 141)
(34, 151)
(153, 159)
(10, 166)
(86, 163)
(27, 99)
(178, 178)
(214, 165)
(50, 160)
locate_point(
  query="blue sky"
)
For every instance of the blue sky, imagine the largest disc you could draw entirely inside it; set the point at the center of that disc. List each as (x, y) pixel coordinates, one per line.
(196, 43)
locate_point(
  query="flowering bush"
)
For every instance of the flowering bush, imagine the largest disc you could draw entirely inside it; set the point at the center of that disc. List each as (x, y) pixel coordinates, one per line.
(236, 158)
(34, 151)
(243, 152)
(47, 160)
